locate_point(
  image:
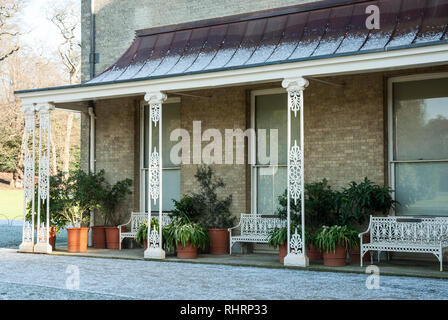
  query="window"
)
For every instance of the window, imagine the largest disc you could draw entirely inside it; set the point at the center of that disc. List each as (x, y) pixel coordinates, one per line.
(269, 112)
(170, 172)
(418, 151)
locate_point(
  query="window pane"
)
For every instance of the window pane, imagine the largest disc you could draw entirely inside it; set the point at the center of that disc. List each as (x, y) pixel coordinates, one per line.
(271, 185)
(271, 113)
(171, 190)
(421, 120)
(422, 189)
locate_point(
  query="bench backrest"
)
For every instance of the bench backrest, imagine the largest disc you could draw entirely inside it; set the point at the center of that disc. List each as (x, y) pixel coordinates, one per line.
(409, 229)
(137, 219)
(259, 225)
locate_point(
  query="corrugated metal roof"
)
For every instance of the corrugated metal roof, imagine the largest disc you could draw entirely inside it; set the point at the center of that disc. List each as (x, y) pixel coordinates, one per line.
(312, 31)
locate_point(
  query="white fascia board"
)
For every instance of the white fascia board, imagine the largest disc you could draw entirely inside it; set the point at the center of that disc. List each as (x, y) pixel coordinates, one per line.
(363, 63)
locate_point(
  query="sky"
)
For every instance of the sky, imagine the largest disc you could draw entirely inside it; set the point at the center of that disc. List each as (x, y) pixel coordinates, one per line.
(40, 33)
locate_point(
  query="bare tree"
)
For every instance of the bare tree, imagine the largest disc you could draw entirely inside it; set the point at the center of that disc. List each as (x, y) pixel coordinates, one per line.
(66, 17)
(9, 31)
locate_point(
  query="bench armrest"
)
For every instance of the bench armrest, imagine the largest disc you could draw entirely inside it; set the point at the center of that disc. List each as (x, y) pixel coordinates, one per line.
(122, 225)
(238, 225)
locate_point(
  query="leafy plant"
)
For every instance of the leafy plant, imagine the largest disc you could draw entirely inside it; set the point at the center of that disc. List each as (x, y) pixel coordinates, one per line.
(58, 201)
(142, 233)
(183, 231)
(328, 238)
(278, 236)
(186, 206)
(214, 212)
(358, 201)
(320, 206)
(111, 197)
(84, 191)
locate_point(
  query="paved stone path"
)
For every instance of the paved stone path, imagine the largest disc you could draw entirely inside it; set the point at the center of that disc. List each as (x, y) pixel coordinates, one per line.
(30, 276)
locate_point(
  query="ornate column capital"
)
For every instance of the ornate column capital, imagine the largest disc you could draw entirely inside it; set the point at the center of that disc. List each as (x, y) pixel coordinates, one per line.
(295, 84)
(155, 97)
(28, 108)
(45, 107)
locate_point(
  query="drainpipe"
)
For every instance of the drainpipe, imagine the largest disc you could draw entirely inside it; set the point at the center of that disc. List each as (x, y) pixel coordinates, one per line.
(92, 58)
(91, 162)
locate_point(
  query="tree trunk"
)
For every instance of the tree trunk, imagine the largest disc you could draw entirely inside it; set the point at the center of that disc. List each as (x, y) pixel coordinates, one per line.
(66, 158)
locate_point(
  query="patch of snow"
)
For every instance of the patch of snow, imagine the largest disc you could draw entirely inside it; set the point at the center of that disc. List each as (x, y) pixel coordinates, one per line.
(352, 43)
(283, 51)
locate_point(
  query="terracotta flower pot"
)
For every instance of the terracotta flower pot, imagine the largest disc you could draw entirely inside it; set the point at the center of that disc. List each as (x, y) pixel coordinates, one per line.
(112, 238)
(355, 255)
(219, 241)
(313, 253)
(282, 252)
(187, 252)
(335, 258)
(99, 237)
(77, 239)
(52, 238)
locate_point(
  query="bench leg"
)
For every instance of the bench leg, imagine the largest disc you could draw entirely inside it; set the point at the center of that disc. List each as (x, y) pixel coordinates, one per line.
(379, 253)
(230, 247)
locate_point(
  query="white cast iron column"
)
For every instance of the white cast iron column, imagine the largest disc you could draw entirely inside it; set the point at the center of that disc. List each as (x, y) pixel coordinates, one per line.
(43, 199)
(27, 244)
(155, 100)
(295, 178)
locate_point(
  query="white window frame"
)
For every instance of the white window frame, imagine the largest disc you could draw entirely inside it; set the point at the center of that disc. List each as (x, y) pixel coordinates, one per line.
(142, 169)
(254, 166)
(390, 125)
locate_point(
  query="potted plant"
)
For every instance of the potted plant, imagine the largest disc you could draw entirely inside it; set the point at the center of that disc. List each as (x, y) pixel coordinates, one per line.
(334, 242)
(81, 194)
(186, 236)
(95, 182)
(320, 209)
(278, 238)
(111, 197)
(214, 212)
(357, 203)
(141, 236)
(57, 203)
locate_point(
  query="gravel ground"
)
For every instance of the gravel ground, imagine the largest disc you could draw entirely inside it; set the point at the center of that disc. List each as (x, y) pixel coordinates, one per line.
(28, 276)
(11, 234)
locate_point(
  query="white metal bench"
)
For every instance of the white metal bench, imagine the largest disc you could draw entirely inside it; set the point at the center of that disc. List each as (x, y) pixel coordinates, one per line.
(407, 234)
(254, 228)
(136, 221)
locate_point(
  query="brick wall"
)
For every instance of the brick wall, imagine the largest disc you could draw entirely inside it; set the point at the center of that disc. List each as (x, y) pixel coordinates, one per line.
(117, 20)
(345, 133)
(115, 145)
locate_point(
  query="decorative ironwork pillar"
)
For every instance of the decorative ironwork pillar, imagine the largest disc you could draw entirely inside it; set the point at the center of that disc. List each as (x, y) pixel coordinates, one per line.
(27, 244)
(296, 255)
(154, 237)
(43, 199)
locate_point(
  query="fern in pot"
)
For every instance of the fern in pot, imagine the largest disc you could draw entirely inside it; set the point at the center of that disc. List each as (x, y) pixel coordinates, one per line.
(183, 233)
(334, 241)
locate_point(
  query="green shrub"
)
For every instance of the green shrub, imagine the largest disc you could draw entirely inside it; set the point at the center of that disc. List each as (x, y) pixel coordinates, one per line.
(358, 201)
(213, 212)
